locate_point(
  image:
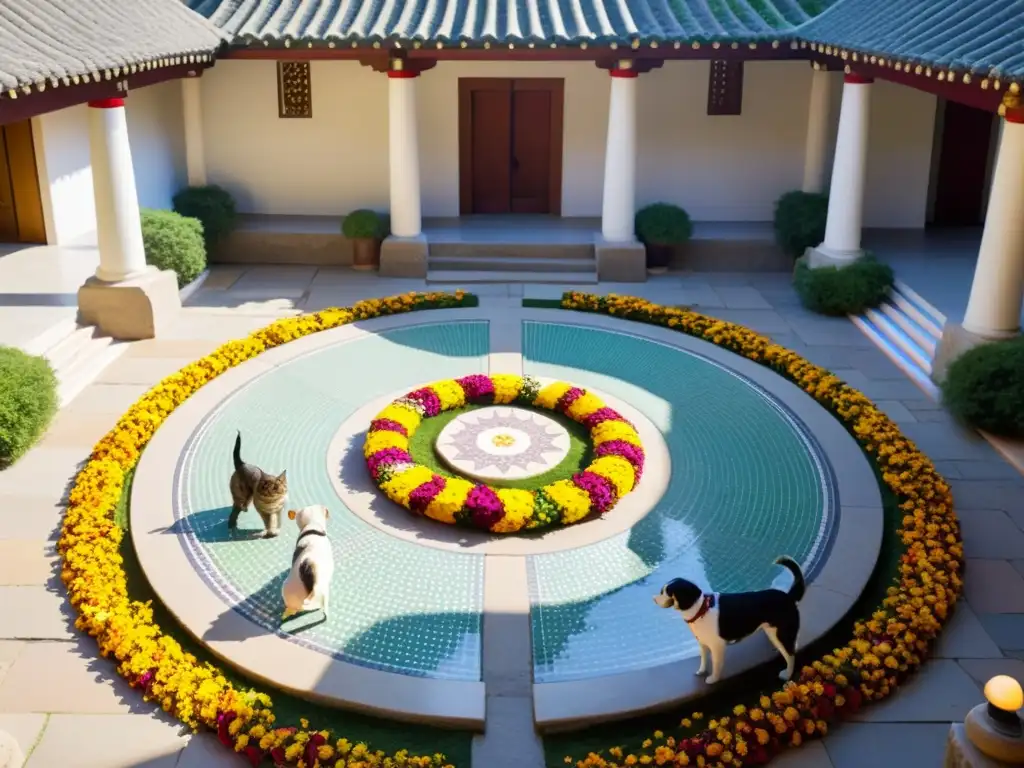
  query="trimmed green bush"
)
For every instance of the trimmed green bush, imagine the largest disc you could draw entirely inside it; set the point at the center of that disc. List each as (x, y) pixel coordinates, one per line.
(174, 242)
(984, 387)
(213, 206)
(800, 221)
(28, 401)
(663, 224)
(365, 225)
(845, 290)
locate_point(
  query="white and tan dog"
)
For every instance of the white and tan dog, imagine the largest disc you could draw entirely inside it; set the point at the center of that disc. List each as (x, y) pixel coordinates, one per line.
(308, 585)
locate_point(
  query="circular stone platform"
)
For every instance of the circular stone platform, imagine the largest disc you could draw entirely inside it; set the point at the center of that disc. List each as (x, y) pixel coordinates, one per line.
(502, 443)
(742, 467)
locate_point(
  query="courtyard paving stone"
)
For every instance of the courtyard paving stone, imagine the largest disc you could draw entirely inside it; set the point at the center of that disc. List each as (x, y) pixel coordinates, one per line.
(141, 370)
(965, 637)
(108, 741)
(896, 411)
(9, 650)
(990, 533)
(30, 518)
(1007, 629)
(983, 670)
(879, 745)
(942, 693)
(25, 728)
(35, 613)
(44, 469)
(26, 562)
(993, 586)
(204, 751)
(741, 297)
(810, 755)
(66, 676)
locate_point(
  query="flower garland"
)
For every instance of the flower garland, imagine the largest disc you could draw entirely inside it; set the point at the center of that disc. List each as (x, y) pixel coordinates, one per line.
(887, 647)
(197, 694)
(453, 500)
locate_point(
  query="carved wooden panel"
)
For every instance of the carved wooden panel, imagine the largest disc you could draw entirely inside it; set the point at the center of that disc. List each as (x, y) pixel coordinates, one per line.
(294, 95)
(725, 87)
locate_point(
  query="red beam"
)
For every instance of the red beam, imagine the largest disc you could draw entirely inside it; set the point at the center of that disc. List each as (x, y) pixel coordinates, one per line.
(970, 94)
(52, 99)
(665, 51)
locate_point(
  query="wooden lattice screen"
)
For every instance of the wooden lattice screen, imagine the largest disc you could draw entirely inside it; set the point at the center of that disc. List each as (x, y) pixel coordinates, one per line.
(294, 95)
(725, 87)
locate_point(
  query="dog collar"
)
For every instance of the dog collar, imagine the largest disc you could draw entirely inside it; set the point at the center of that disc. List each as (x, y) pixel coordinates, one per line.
(706, 605)
(310, 532)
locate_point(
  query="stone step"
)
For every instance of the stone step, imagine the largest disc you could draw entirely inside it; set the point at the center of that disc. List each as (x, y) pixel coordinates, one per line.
(510, 249)
(80, 370)
(510, 264)
(461, 277)
(897, 335)
(61, 353)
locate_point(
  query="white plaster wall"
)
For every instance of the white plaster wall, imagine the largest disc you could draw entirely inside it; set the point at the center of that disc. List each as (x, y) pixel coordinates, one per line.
(155, 131)
(721, 168)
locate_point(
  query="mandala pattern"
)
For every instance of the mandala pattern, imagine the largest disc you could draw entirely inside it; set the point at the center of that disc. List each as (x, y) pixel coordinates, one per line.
(614, 472)
(503, 444)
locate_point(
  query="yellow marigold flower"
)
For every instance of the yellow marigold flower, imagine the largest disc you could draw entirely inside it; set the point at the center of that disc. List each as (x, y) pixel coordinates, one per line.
(518, 509)
(614, 430)
(685, 722)
(714, 749)
(549, 396)
(573, 502)
(506, 387)
(646, 743)
(450, 500)
(402, 484)
(378, 441)
(617, 471)
(449, 393)
(583, 406)
(402, 414)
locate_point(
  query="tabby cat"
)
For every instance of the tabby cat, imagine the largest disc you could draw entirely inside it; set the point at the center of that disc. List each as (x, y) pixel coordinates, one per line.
(250, 484)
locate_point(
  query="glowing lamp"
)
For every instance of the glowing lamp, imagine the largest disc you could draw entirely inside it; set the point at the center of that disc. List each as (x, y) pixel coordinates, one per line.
(995, 728)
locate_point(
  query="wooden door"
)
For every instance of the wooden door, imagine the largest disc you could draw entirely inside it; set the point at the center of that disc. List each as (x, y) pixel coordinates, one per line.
(510, 145)
(21, 208)
(963, 166)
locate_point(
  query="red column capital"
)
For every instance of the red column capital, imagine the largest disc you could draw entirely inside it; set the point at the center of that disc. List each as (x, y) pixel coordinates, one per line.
(113, 103)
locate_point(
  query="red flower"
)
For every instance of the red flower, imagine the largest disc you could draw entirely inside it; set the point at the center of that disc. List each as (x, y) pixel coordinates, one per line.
(224, 719)
(277, 755)
(255, 755)
(314, 744)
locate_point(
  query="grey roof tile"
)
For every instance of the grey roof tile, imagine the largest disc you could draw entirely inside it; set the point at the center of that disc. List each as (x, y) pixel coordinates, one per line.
(982, 36)
(54, 39)
(479, 21)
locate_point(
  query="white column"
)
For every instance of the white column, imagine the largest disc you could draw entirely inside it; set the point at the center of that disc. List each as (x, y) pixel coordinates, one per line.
(404, 158)
(195, 152)
(118, 229)
(619, 206)
(846, 195)
(993, 310)
(816, 146)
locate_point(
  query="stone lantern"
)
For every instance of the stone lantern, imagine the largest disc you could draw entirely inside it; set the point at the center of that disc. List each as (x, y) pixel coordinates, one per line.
(992, 735)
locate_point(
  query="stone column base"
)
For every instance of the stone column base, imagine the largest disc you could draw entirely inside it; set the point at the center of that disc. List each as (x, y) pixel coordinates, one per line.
(954, 342)
(141, 307)
(620, 262)
(404, 256)
(821, 256)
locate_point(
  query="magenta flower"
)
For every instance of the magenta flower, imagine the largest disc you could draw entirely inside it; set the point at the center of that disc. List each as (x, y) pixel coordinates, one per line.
(477, 387)
(427, 398)
(422, 495)
(631, 453)
(484, 507)
(387, 425)
(603, 414)
(385, 458)
(568, 399)
(600, 490)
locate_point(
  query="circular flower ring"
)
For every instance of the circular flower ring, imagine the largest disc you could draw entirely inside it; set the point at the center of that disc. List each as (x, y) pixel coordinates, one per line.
(614, 472)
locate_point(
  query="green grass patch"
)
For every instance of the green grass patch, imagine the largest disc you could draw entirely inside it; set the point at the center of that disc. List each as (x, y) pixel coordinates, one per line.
(745, 688)
(375, 732)
(543, 303)
(422, 450)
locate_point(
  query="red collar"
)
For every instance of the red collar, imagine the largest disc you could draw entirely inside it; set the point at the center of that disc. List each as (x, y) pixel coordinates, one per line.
(706, 605)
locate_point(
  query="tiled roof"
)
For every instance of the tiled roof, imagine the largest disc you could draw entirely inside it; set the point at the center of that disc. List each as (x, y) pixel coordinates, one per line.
(481, 21)
(983, 36)
(54, 40)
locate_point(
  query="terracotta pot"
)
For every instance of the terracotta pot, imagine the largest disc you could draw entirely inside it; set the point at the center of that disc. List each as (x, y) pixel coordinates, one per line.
(659, 256)
(365, 253)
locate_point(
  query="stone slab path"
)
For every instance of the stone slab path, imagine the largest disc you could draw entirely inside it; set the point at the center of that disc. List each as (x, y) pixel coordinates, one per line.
(67, 707)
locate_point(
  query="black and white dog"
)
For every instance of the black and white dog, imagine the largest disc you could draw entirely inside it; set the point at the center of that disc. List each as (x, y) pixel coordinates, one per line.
(721, 620)
(309, 583)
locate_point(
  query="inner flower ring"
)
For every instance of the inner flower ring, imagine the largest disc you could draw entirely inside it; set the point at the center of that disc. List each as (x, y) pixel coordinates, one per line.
(614, 472)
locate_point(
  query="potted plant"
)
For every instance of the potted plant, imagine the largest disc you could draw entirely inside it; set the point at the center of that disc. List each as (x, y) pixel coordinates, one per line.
(366, 229)
(661, 227)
